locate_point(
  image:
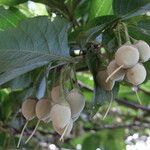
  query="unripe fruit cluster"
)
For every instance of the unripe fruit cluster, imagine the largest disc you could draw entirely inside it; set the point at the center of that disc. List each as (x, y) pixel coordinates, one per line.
(62, 114)
(127, 66)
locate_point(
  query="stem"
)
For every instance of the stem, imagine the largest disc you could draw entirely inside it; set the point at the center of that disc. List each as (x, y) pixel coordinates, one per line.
(138, 98)
(76, 80)
(111, 100)
(22, 134)
(62, 77)
(114, 72)
(62, 136)
(33, 132)
(126, 34)
(119, 38)
(133, 40)
(47, 89)
(54, 77)
(71, 82)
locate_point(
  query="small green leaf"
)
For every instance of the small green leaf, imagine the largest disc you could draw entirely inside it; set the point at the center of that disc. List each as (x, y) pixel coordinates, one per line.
(40, 91)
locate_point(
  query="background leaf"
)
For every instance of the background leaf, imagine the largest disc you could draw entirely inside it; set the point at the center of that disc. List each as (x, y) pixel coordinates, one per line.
(94, 139)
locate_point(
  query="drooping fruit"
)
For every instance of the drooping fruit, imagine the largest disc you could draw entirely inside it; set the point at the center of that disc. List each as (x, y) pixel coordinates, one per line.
(127, 56)
(60, 115)
(62, 130)
(118, 76)
(28, 111)
(101, 80)
(56, 93)
(28, 108)
(43, 108)
(76, 102)
(136, 75)
(144, 50)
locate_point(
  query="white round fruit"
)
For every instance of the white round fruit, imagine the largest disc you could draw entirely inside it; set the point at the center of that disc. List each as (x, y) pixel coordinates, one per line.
(43, 108)
(101, 80)
(76, 102)
(144, 50)
(136, 75)
(28, 108)
(60, 115)
(127, 56)
(118, 76)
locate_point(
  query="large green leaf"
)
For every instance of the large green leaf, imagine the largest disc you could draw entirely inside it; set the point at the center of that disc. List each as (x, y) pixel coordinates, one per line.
(32, 44)
(10, 17)
(130, 7)
(100, 8)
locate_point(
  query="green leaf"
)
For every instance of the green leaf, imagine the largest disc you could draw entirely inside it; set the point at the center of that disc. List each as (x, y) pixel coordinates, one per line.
(38, 41)
(20, 82)
(91, 142)
(97, 25)
(93, 28)
(130, 7)
(142, 10)
(114, 140)
(41, 85)
(10, 18)
(109, 40)
(101, 95)
(82, 10)
(11, 2)
(11, 74)
(100, 8)
(140, 29)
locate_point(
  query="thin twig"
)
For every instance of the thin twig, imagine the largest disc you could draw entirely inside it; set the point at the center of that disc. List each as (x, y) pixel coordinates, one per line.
(116, 126)
(121, 101)
(132, 105)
